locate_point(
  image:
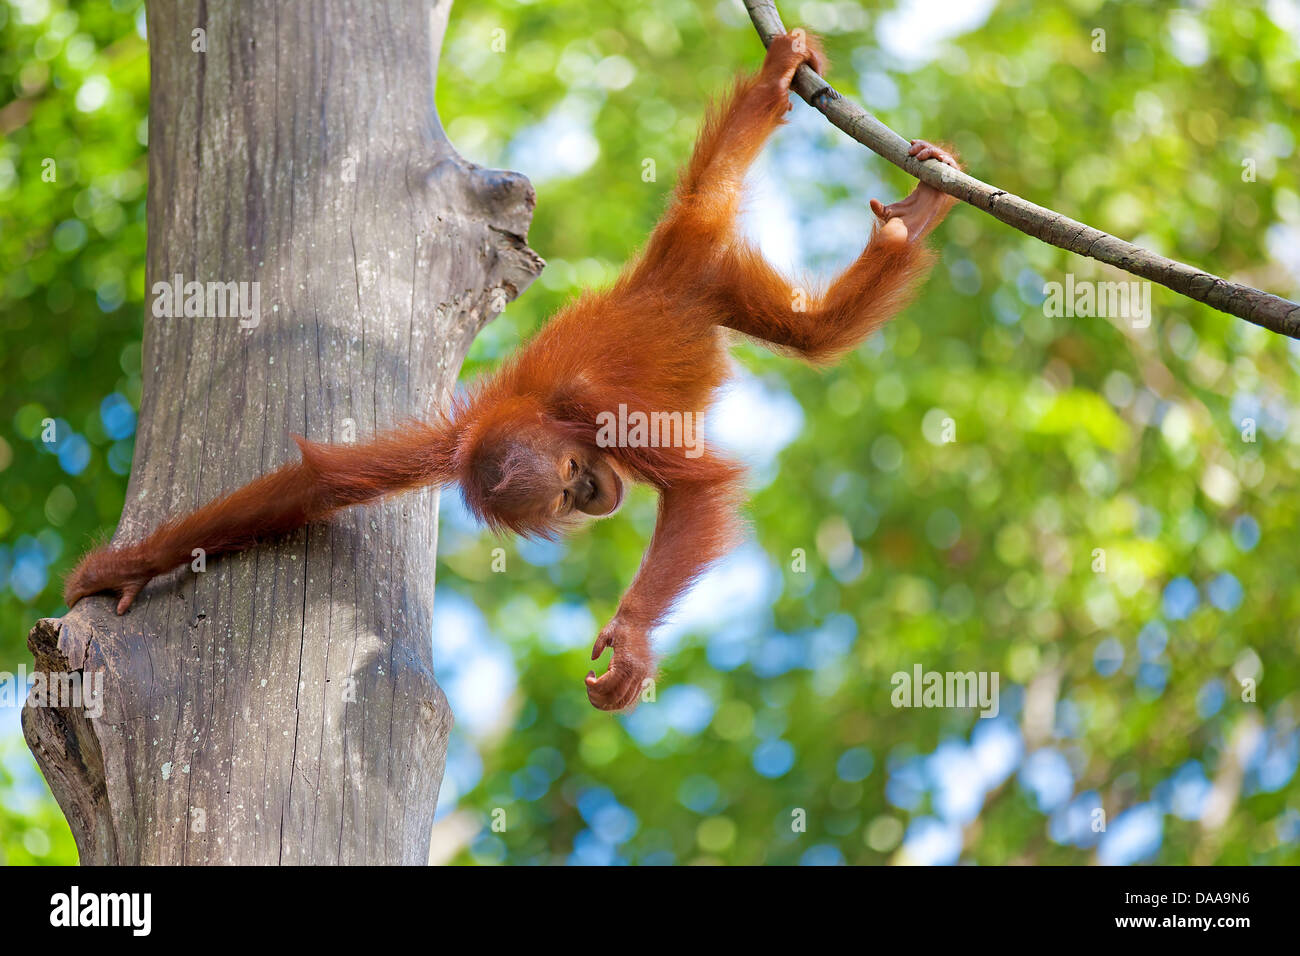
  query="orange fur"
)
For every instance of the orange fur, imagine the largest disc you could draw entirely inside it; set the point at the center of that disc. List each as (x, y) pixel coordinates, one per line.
(653, 343)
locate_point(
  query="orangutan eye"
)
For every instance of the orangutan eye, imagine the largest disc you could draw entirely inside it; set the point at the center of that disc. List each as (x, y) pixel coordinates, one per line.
(564, 499)
(573, 468)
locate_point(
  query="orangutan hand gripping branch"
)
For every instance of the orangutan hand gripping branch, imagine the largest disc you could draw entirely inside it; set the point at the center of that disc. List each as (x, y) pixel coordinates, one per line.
(526, 445)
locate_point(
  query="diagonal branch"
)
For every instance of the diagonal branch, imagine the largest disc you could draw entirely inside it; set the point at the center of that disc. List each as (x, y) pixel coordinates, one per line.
(1270, 311)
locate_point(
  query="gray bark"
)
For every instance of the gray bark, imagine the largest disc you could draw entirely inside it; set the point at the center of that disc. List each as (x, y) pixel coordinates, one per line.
(280, 706)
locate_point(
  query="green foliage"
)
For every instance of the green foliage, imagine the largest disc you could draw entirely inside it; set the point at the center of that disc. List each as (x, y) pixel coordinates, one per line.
(1076, 439)
(32, 828)
(74, 94)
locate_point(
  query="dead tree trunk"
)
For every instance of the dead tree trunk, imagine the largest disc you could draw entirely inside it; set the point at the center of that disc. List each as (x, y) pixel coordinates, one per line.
(280, 706)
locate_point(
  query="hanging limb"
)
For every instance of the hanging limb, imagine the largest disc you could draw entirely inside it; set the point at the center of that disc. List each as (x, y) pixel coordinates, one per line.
(1270, 311)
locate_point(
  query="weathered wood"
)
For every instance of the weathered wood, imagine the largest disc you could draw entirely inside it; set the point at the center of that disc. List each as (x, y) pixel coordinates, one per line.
(280, 707)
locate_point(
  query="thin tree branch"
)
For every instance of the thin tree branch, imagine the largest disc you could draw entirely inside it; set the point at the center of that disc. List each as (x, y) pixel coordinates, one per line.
(1270, 311)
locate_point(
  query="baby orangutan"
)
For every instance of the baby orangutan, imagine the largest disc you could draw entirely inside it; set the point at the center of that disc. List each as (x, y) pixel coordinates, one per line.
(524, 446)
